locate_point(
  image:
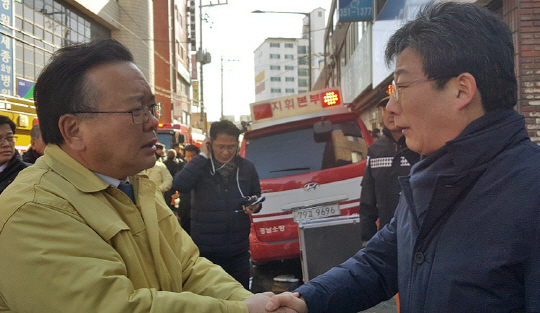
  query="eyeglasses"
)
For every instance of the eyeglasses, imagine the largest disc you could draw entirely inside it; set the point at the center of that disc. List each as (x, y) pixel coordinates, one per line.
(226, 147)
(140, 115)
(393, 90)
(10, 139)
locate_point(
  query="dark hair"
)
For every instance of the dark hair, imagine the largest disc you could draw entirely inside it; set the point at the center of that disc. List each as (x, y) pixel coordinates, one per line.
(223, 127)
(7, 120)
(160, 146)
(174, 145)
(192, 148)
(454, 38)
(35, 132)
(62, 88)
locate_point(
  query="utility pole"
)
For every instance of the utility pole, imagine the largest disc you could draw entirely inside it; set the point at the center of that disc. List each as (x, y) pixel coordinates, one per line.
(204, 57)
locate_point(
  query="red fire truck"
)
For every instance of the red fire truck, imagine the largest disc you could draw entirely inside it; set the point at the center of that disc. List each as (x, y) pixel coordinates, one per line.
(169, 134)
(310, 153)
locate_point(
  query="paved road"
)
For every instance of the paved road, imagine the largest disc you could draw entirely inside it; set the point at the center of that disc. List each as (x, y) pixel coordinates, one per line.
(263, 280)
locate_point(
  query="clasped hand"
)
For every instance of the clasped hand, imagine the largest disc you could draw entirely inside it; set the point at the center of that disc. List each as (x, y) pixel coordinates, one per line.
(286, 302)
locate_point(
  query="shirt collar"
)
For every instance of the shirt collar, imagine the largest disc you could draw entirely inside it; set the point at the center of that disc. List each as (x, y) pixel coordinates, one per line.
(110, 180)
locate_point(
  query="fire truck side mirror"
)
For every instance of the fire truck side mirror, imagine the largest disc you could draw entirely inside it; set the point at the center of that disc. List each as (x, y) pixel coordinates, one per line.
(322, 131)
(181, 139)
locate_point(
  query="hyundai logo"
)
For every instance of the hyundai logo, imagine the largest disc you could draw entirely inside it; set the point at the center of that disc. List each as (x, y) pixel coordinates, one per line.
(310, 186)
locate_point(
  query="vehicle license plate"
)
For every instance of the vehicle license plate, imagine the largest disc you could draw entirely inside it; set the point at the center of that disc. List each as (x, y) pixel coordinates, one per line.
(318, 212)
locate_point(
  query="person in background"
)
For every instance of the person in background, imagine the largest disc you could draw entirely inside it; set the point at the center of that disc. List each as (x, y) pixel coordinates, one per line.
(388, 159)
(184, 206)
(80, 230)
(465, 235)
(37, 146)
(190, 151)
(375, 134)
(173, 166)
(179, 151)
(222, 182)
(160, 152)
(10, 160)
(160, 175)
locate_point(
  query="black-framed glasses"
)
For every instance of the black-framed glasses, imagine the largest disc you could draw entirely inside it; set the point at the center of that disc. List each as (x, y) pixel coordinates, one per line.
(10, 140)
(140, 115)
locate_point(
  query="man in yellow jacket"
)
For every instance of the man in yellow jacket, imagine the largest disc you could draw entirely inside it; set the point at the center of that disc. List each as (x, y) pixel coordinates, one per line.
(79, 230)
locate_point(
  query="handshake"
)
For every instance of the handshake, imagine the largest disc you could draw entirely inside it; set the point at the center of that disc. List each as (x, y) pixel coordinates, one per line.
(286, 302)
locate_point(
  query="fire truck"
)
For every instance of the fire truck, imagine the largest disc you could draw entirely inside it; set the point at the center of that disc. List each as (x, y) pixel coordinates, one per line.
(23, 113)
(310, 153)
(169, 134)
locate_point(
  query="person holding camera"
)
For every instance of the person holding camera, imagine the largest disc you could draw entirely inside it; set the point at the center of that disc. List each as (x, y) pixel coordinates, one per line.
(223, 184)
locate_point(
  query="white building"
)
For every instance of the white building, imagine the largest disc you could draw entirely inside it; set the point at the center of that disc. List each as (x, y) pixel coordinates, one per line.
(281, 64)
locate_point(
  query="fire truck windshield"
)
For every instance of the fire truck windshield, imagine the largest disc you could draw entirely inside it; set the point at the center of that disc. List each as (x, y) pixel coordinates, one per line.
(296, 152)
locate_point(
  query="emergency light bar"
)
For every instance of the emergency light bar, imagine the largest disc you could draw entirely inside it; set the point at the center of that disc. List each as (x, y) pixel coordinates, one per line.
(169, 125)
(296, 104)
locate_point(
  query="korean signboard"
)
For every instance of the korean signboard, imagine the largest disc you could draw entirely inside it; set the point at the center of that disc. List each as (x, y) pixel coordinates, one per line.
(6, 48)
(355, 10)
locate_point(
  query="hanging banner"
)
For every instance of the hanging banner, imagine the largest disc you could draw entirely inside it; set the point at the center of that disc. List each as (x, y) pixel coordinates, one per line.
(6, 48)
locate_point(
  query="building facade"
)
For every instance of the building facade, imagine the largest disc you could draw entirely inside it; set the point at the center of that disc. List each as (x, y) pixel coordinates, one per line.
(172, 60)
(354, 53)
(282, 65)
(33, 29)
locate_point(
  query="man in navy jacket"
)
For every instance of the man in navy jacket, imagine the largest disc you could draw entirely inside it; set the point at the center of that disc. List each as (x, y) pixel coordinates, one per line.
(221, 181)
(466, 233)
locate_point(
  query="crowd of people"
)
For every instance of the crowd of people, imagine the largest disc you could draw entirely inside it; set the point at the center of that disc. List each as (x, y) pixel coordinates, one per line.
(97, 230)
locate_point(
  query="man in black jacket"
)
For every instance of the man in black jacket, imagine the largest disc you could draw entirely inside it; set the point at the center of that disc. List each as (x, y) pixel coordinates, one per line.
(10, 161)
(221, 182)
(388, 158)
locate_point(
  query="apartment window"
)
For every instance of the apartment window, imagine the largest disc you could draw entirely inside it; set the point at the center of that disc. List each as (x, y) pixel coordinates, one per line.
(274, 45)
(274, 56)
(289, 56)
(302, 72)
(289, 90)
(302, 49)
(275, 67)
(302, 82)
(302, 60)
(289, 67)
(302, 91)
(289, 79)
(289, 45)
(275, 79)
(275, 90)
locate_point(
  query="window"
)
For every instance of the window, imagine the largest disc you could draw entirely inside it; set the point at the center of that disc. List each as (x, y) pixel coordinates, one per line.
(275, 79)
(302, 50)
(301, 91)
(275, 67)
(302, 60)
(289, 56)
(289, 45)
(289, 79)
(302, 72)
(289, 90)
(275, 90)
(302, 82)
(274, 45)
(289, 68)
(289, 148)
(274, 56)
